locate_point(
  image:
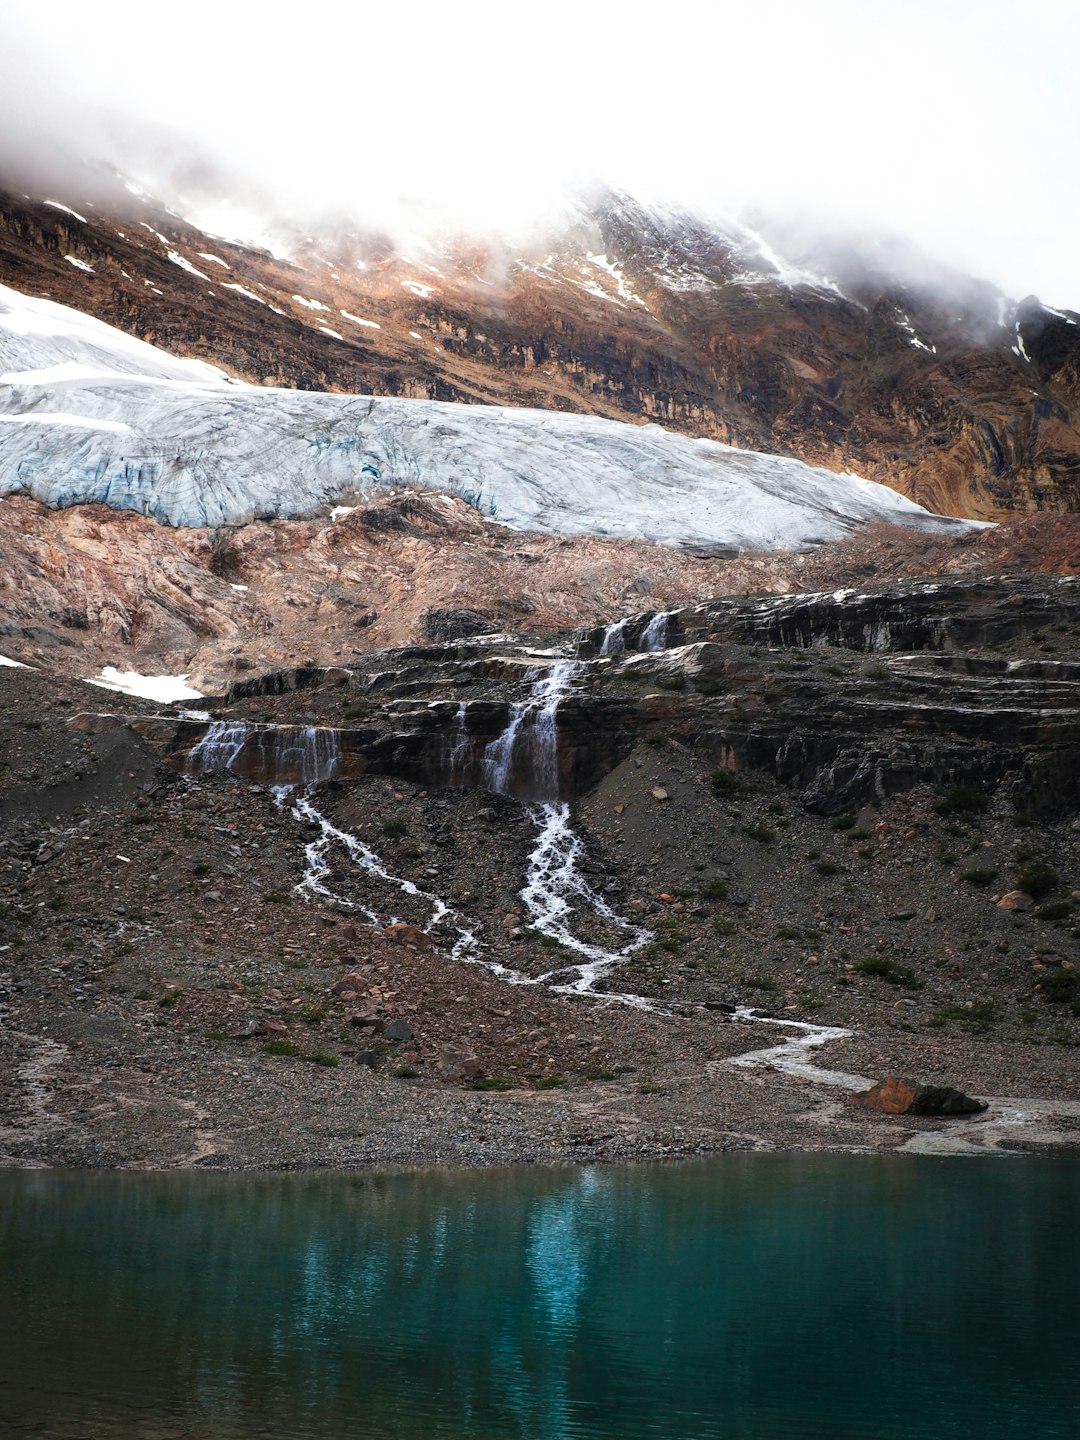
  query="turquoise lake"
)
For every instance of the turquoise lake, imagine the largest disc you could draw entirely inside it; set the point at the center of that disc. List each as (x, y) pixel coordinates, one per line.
(747, 1298)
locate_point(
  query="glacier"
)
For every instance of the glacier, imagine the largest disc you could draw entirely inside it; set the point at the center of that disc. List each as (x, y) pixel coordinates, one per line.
(91, 415)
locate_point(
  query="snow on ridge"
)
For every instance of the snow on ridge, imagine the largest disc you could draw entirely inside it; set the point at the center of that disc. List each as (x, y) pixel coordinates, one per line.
(199, 450)
(178, 259)
(356, 320)
(55, 205)
(166, 689)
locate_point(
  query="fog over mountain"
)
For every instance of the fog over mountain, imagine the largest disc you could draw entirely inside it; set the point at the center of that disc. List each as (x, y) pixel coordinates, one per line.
(923, 121)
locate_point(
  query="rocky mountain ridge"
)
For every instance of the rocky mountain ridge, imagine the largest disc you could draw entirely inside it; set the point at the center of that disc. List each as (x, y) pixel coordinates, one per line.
(940, 388)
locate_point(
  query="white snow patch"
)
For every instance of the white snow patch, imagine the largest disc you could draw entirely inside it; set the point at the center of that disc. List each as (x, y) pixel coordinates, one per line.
(163, 688)
(416, 335)
(214, 259)
(616, 274)
(242, 290)
(340, 511)
(310, 304)
(158, 233)
(423, 292)
(356, 320)
(241, 588)
(905, 324)
(55, 205)
(327, 331)
(178, 259)
(79, 264)
(15, 664)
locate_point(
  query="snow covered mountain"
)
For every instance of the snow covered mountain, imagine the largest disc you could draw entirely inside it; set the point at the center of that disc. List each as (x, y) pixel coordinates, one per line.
(88, 414)
(851, 358)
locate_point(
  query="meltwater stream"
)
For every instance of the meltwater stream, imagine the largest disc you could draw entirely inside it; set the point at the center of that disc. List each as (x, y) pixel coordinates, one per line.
(312, 753)
(556, 892)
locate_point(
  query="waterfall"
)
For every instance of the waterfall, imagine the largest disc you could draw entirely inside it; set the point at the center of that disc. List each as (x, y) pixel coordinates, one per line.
(531, 735)
(311, 754)
(614, 641)
(219, 748)
(556, 893)
(655, 636)
(458, 757)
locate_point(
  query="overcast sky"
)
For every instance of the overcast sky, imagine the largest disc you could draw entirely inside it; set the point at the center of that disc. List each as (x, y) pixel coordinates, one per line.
(953, 122)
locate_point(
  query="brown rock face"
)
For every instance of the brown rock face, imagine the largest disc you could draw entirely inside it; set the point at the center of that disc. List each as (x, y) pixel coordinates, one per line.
(969, 406)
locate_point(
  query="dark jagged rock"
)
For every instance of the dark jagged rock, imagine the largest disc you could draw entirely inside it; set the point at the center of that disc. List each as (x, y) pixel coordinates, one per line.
(440, 625)
(840, 737)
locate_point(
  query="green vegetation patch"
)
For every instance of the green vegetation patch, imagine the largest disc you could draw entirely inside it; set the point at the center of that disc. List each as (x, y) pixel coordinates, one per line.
(1038, 880)
(960, 800)
(976, 1018)
(884, 967)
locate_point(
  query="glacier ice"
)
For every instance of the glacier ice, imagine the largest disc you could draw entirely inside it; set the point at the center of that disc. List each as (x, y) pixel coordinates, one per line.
(92, 415)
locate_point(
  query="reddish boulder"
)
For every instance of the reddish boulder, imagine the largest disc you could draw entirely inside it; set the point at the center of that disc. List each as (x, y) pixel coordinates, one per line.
(893, 1096)
(405, 934)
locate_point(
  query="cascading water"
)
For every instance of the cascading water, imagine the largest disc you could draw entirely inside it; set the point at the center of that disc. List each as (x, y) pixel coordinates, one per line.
(309, 753)
(655, 635)
(460, 746)
(313, 755)
(316, 854)
(556, 893)
(219, 748)
(614, 641)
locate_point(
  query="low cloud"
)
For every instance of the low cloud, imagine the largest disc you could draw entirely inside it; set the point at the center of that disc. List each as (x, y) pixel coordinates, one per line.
(951, 124)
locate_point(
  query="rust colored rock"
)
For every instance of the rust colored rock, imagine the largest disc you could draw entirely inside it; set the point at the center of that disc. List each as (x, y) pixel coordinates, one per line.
(405, 934)
(1016, 900)
(893, 1096)
(351, 982)
(273, 1027)
(889, 1097)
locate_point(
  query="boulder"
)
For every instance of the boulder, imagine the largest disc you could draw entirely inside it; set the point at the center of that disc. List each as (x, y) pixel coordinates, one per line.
(349, 986)
(405, 934)
(458, 1063)
(398, 1030)
(1016, 900)
(442, 624)
(893, 1096)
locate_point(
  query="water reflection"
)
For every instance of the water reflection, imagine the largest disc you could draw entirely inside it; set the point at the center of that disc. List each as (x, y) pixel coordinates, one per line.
(788, 1296)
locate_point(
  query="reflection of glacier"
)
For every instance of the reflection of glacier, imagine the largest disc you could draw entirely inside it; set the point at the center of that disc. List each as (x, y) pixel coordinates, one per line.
(89, 414)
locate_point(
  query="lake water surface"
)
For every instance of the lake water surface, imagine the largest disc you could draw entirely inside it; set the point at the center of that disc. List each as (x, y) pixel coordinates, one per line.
(749, 1298)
